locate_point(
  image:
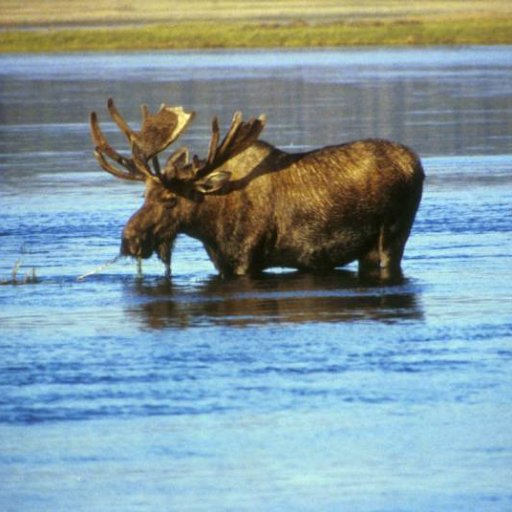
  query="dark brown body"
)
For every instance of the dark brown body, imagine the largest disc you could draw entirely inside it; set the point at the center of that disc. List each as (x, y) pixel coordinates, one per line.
(311, 211)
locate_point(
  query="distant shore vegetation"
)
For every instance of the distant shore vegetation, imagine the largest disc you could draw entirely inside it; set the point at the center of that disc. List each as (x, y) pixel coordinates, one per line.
(67, 25)
(236, 35)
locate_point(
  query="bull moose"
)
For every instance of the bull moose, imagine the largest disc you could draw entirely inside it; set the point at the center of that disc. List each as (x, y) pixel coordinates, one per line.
(254, 206)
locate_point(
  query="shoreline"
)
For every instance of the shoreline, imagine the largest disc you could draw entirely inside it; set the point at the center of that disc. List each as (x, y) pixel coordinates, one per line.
(198, 35)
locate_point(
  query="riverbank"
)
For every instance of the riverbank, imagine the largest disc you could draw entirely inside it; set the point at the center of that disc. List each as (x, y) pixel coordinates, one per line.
(235, 34)
(61, 25)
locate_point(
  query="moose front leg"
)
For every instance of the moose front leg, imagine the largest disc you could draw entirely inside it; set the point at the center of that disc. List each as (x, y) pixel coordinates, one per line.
(164, 253)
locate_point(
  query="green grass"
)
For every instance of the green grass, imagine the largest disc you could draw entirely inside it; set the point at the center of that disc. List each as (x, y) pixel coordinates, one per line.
(202, 35)
(77, 25)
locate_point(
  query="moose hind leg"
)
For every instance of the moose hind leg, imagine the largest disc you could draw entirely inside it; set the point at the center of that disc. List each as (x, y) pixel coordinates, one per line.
(370, 260)
(385, 254)
(391, 248)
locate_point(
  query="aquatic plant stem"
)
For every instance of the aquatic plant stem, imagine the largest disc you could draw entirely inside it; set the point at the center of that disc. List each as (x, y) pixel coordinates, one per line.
(98, 269)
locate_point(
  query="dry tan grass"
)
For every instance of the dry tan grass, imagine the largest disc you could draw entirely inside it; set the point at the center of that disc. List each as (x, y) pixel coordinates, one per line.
(16, 13)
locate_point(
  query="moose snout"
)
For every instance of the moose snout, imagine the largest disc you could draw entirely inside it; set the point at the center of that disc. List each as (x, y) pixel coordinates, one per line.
(129, 247)
(136, 245)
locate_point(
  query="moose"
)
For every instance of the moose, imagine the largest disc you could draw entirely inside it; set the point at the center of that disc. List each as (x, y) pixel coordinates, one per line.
(254, 206)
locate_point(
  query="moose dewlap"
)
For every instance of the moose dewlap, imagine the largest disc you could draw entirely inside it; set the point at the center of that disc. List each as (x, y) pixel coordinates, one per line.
(254, 206)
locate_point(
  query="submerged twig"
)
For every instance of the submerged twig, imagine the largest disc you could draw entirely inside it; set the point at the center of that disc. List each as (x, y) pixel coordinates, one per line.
(15, 270)
(28, 278)
(98, 269)
(31, 278)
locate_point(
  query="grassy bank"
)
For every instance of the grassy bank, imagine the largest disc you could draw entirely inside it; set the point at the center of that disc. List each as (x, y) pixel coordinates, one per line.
(233, 34)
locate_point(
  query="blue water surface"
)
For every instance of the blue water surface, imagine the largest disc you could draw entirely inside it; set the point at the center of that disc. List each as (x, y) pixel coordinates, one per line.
(290, 392)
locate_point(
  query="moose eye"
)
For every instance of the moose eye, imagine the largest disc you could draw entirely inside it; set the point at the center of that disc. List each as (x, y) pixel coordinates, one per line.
(171, 202)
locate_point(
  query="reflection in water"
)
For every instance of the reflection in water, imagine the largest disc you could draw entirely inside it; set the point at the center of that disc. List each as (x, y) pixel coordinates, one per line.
(275, 298)
(439, 101)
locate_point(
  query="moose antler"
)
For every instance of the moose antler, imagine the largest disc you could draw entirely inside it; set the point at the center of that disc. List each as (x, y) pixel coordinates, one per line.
(239, 137)
(203, 174)
(157, 132)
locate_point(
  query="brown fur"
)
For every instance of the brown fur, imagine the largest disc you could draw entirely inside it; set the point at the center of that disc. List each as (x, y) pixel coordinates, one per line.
(309, 211)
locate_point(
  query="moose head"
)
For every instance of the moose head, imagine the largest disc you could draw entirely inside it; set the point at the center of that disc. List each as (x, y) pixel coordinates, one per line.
(173, 189)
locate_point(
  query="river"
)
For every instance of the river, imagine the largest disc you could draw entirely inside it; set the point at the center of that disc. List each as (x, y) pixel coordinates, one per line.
(289, 392)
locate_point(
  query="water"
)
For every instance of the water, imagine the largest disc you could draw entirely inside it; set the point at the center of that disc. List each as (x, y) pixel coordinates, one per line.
(289, 392)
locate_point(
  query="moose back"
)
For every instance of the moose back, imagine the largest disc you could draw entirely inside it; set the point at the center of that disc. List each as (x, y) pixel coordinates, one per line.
(254, 206)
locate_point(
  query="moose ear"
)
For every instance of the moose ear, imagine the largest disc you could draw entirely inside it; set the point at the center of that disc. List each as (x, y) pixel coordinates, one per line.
(213, 182)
